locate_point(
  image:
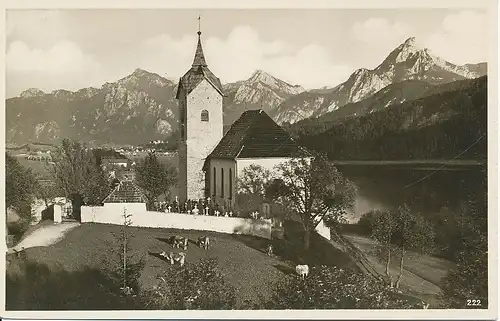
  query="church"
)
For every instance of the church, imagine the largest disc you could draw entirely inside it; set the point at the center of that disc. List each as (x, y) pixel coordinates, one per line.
(209, 160)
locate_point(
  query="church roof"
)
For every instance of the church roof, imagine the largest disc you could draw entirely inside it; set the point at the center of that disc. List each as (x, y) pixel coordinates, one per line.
(126, 192)
(197, 73)
(255, 135)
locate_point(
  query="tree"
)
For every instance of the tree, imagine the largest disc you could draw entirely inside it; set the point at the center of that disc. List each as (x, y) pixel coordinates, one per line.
(412, 232)
(76, 171)
(129, 269)
(254, 180)
(154, 177)
(252, 185)
(315, 190)
(329, 287)
(469, 281)
(20, 187)
(382, 231)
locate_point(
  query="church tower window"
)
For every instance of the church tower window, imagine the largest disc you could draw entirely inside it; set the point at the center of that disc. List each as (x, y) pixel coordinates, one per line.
(204, 115)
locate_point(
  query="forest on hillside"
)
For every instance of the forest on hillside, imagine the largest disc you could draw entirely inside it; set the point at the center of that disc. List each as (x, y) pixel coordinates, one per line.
(446, 125)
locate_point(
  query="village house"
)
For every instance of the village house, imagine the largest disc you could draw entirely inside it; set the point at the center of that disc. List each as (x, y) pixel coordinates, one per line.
(209, 161)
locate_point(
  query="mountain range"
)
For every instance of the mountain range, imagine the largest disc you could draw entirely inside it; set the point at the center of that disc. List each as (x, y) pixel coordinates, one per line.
(142, 107)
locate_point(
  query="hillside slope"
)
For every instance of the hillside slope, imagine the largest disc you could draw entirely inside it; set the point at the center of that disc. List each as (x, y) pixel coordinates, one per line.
(241, 258)
(450, 122)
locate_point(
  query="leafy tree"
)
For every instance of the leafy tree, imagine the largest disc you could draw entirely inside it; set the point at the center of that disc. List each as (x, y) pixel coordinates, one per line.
(469, 281)
(46, 191)
(254, 180)
(412, 232)
(20, 188)
(329, 287)
(197, 286)
(315, 190)
(252, 184)
(77, 172)
(367, 221)
(382, 231)
(154, 177)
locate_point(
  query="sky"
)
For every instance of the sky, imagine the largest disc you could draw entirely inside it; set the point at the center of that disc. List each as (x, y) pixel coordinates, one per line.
(78, 48)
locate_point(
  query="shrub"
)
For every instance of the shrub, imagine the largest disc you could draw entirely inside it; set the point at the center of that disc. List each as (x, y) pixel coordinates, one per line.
(367, 221)
(334, 288)
(197, 286)
(40, 287)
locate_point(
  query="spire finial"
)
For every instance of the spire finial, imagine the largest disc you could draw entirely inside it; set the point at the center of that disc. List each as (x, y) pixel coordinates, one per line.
(199, 26)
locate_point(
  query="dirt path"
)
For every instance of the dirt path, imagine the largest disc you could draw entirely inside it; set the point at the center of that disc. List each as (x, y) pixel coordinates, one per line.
(422, 274)
(44, 236)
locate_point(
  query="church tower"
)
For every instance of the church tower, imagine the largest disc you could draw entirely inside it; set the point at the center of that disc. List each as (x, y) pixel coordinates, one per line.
(200, 108)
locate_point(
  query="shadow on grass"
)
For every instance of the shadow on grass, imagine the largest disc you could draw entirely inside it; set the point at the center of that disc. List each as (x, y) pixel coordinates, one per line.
(284, 269)
(290, 248)
(35, 286)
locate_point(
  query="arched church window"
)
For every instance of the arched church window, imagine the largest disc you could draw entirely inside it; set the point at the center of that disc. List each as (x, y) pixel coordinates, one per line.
(204, 115)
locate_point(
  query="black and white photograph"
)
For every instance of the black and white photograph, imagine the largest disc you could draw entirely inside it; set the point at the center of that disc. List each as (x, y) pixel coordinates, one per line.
(261, 158)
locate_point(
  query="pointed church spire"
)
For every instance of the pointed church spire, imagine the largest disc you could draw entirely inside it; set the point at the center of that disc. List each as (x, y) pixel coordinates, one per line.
(199, 57)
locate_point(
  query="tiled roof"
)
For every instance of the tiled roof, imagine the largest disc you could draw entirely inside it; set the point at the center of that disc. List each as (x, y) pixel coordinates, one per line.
(197, 73)
(255, 135)
(126, 192)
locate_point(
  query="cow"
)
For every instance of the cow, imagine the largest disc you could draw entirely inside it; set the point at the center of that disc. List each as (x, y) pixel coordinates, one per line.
(204, 242)
(302, 270)
(178, 241)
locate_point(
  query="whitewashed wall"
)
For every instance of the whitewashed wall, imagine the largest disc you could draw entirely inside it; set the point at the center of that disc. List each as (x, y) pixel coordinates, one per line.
(323, 230)
(268, 163)
(140, 217)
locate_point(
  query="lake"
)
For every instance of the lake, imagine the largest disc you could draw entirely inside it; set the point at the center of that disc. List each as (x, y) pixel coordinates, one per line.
(426, 186)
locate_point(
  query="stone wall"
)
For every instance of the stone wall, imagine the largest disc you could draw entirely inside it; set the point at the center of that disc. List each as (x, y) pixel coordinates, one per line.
(139, 216)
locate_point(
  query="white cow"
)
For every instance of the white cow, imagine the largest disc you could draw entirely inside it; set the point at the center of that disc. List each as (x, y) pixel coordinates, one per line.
(302, 270)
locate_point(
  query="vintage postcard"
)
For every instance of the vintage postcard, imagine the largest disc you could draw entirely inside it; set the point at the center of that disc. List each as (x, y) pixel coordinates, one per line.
(260, 159)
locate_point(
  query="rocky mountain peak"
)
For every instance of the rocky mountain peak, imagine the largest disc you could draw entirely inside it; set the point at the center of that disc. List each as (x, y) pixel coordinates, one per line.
(31, 92)
(140, 75)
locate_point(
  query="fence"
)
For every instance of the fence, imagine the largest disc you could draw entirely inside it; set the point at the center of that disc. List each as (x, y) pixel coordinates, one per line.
(112, 213)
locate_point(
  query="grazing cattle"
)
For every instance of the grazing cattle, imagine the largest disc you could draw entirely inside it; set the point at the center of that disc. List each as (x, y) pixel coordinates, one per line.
(177, 257)
(178, 241)
(204, 242)
(269, 250)
(174, 257)
(302, 270)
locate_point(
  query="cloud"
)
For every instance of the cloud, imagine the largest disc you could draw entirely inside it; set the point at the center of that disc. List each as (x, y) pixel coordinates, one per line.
(63, 65)
(462, 37)
(380, 31)
(240, 54)
(380, 36)
(36, 26)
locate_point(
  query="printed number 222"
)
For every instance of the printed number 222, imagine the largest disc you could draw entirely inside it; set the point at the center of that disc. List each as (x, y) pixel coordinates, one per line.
(474, 303)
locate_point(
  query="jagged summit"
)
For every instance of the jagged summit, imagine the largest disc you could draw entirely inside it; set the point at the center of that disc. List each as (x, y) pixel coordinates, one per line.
(31, 92)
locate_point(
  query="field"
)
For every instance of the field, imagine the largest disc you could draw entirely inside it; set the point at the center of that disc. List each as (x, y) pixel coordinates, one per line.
(241, 258)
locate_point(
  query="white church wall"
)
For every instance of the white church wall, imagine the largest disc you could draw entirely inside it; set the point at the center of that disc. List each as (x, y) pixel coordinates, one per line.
(142, 218)
(229, 166)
